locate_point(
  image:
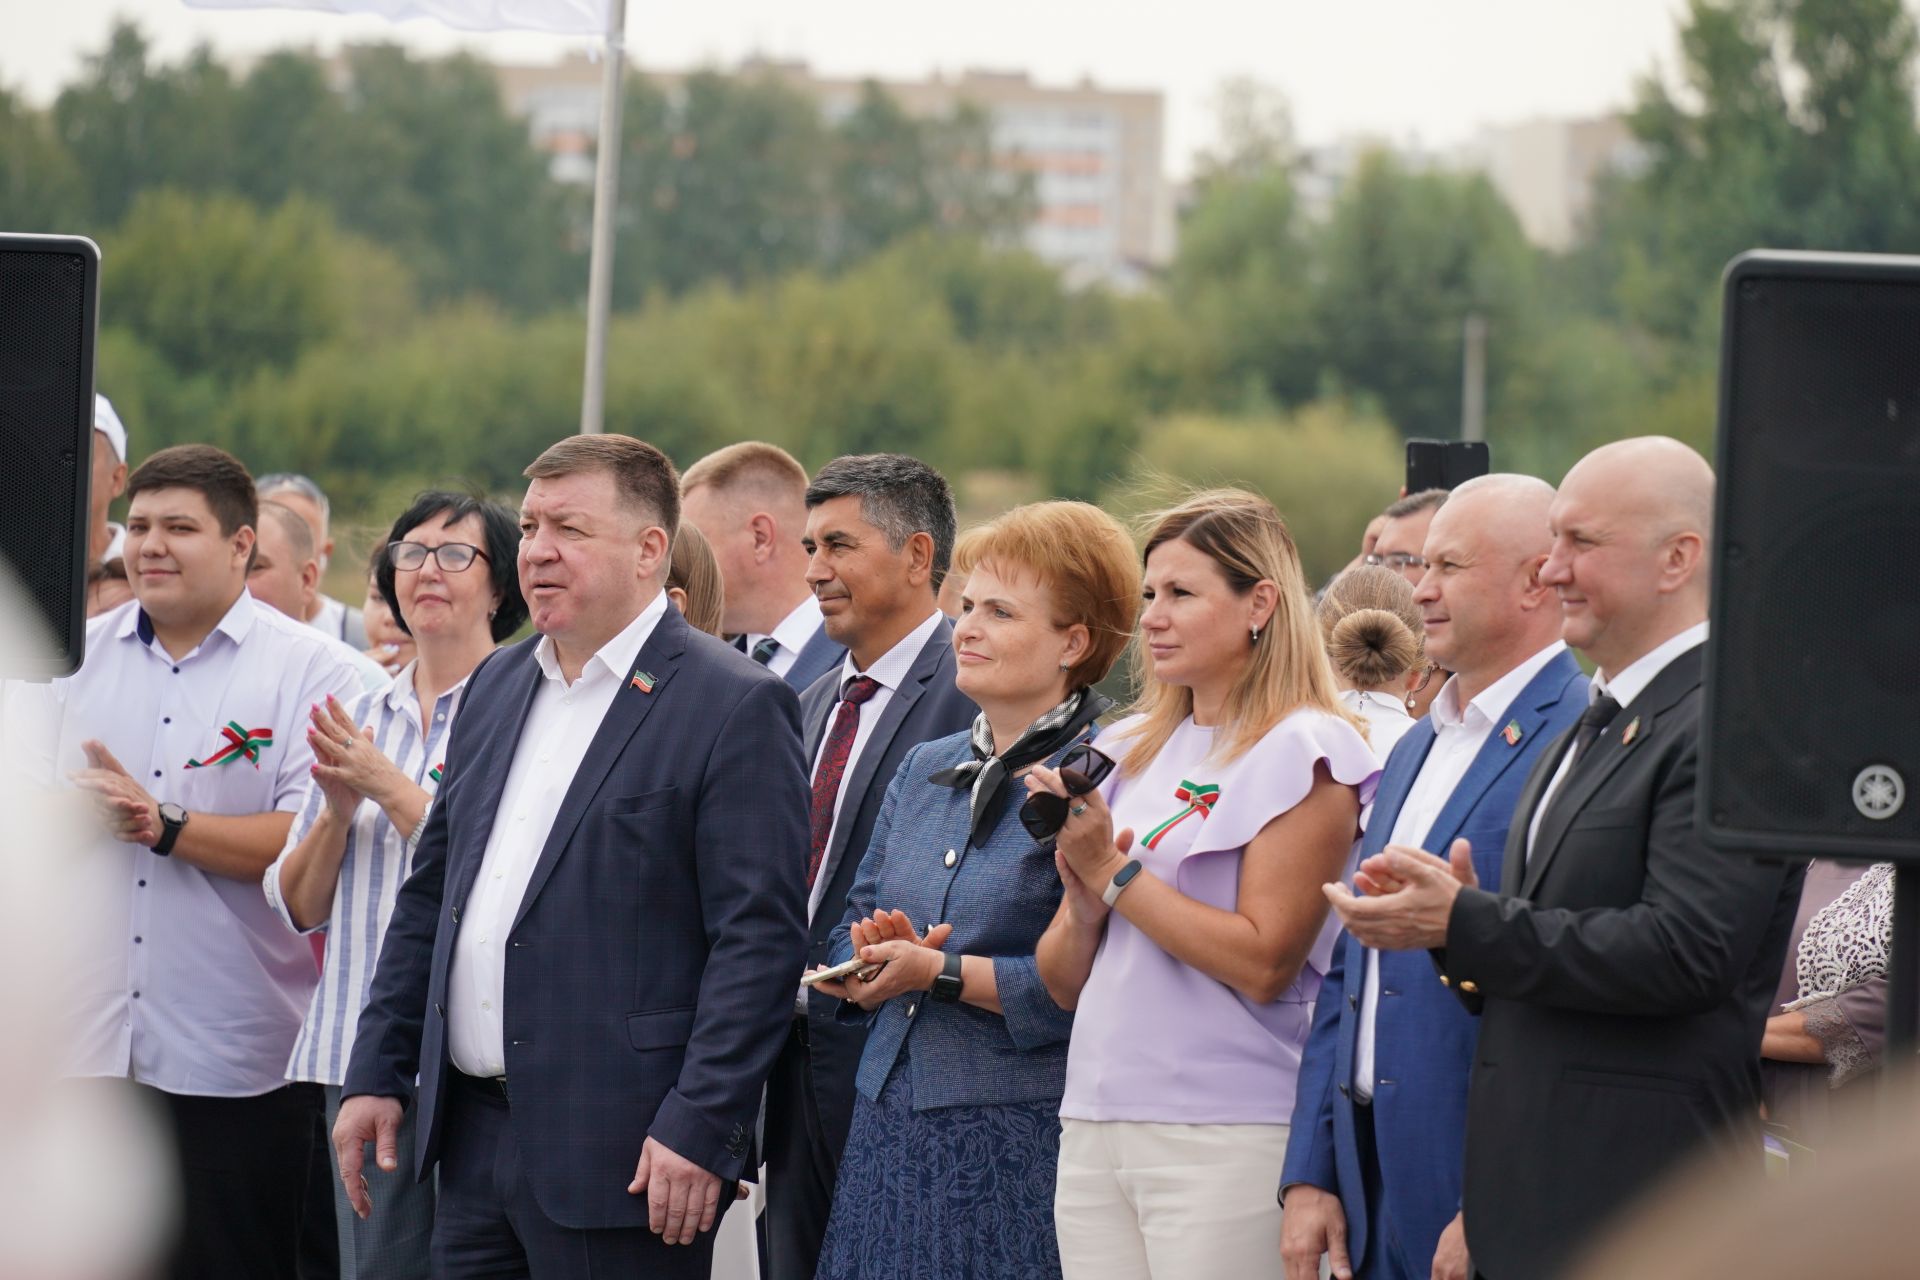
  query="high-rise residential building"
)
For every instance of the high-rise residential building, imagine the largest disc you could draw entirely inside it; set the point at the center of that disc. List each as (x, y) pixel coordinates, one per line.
(1547, 170)
(1104, 208)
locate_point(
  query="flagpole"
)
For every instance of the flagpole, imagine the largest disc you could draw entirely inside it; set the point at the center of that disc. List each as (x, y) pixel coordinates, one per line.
(606, 205)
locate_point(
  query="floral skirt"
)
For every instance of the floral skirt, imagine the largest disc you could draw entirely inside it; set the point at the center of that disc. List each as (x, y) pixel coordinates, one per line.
(956, 1193)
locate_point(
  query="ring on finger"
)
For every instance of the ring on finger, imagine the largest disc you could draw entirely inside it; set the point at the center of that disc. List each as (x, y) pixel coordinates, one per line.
(1077, 810)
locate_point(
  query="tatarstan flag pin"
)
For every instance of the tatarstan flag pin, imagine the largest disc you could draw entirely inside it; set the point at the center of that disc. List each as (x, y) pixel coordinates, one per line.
(643, 681)
(1512, 733)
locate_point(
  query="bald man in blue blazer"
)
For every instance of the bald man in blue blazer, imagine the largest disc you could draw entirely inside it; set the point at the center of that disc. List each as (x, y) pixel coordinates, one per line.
(1373, 1171)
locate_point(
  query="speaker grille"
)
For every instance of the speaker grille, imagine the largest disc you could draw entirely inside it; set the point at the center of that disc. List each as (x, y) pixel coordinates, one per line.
(46, 419)
(1816, 669)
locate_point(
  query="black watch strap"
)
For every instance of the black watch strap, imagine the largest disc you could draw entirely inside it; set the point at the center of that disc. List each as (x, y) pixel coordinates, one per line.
(948, 985)
(170, 830)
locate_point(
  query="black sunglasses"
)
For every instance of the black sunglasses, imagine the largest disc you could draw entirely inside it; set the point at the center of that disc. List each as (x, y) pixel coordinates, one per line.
(1082, 769)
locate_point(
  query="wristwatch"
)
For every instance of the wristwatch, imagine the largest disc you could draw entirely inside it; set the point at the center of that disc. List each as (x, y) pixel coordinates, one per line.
(172, 820)
(1121, 879)
(947, 986)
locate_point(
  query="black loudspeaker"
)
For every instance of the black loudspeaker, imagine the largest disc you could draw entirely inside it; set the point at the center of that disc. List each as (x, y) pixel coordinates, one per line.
(1811, 744)
(49, 295)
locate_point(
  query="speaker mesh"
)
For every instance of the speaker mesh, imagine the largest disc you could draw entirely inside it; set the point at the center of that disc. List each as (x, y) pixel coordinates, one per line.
(1817, 630)
(46, 419)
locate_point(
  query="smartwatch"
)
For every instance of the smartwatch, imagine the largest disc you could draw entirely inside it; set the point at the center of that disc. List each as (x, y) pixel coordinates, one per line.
(947, 986)
(172, 820)
(1121, 879)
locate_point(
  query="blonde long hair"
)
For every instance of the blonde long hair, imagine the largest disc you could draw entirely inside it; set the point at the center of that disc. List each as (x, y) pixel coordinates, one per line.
(1246, 537)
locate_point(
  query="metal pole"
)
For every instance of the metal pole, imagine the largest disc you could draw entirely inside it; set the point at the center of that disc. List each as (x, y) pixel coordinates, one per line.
(1473, 379)
(606, 207)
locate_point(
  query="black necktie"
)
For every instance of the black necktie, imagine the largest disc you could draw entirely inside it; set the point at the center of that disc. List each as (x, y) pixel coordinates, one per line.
(764, 651)
(1592, 721)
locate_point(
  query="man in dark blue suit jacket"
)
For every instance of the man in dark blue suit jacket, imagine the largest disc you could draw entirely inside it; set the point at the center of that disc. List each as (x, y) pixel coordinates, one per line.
(749, 499)
(880, 532)
(1373, 1168)
(591, 965)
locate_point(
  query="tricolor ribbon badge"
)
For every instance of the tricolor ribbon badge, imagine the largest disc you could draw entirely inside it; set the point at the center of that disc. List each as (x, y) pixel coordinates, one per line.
(643, 681)
(1633, 731)
(248, 743)
(433, 774)
(1512, 733)
(1200, 797)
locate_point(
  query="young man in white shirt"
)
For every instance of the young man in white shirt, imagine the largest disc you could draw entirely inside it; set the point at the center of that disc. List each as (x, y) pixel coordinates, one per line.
(186, 728)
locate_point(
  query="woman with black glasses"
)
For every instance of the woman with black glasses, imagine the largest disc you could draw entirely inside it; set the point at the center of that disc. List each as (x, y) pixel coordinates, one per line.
(450, 577)
(949, 1166)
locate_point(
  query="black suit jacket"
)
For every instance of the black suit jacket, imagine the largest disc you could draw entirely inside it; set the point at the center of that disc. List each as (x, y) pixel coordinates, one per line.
(926, 706)
(1624, 975)
(649, 971)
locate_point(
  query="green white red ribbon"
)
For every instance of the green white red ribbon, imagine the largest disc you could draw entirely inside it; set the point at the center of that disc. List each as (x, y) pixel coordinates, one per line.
(240, 743)
(1200, 797)
(433, 774)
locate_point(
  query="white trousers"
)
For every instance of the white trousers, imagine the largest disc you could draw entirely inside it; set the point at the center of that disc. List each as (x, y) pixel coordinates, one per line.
(1169, 1201)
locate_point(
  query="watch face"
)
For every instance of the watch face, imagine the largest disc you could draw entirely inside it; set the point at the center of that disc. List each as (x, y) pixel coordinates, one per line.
(171, 812)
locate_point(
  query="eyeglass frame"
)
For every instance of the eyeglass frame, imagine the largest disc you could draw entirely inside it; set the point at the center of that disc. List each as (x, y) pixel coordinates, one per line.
(393, 556)
(1044, 813)
(1407, 560)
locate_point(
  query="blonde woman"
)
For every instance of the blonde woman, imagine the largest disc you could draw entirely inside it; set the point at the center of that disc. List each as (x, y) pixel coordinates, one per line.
(1192, 933)
(693, 581)
(1373, 632)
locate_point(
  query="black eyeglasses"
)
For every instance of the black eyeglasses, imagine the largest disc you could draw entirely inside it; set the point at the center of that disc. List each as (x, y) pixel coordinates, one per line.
(452, 557)
(1397, 560)
(1083, 768)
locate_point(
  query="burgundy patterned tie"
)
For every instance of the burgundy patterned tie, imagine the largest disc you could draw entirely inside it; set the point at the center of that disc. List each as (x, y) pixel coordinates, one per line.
(833, 765)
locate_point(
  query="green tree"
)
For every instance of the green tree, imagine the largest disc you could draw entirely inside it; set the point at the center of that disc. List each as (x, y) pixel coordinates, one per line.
(1406, 257)
(41, 189)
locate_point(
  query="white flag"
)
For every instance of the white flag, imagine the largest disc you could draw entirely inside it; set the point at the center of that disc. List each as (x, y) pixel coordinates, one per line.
(563, 17)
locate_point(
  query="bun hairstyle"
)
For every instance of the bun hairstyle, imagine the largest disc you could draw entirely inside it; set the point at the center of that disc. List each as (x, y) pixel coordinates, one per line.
(1372, 627)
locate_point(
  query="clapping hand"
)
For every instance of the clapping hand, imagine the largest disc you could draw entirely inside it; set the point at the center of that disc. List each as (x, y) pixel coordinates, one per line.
(346, 761)
(125, 806)
(1086, 851)
(1409, 896)
(908, 961)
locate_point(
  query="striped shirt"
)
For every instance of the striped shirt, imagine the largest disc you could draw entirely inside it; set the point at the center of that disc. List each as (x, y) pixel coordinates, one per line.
(377, 861)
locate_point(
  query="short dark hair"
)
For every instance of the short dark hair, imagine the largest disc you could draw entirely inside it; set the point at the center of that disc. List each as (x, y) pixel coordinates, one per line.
(1414, 503)
(214, 474)
(899, 495)
(502, 538)
(643, 476)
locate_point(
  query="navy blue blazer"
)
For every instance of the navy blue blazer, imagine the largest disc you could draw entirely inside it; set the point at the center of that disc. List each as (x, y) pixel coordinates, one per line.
(999, 899)
(1423, 1038)
(650, 970)
(819, 655)
(926, 706)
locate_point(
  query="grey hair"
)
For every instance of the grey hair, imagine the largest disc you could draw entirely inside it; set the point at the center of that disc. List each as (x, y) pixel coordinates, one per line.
(1415, 503)
(899, 495)
(293, 482)
(299, 532)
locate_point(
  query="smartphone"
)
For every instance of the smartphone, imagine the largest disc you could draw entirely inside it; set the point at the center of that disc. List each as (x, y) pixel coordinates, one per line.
(1445, 464)
(856, 965)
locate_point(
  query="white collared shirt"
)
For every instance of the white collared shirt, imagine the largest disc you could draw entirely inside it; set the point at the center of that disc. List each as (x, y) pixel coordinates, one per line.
(1458, 735)
(1624, 688)
(890, 670)
(187, 980)
(376, 862)
(560, 726)
(1386, 717)
(793, 634)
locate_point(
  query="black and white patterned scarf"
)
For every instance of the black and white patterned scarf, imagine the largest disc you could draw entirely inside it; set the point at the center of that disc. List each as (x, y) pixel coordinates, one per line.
(988, 774)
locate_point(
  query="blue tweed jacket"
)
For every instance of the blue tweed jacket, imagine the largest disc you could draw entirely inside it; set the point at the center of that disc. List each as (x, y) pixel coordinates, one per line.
(999, 900)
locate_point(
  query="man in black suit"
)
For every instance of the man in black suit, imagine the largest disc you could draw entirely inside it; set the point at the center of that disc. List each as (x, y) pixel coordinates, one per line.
(591, 965)
(1624, 970)
(749, 499)
(879, 538)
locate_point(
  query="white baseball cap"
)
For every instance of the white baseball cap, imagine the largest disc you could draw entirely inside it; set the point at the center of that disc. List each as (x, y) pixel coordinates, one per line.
(108, 424)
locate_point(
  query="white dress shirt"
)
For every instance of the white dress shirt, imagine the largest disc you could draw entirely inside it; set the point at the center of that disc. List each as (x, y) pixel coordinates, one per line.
(890, 670)
(1386, 717)
(792, 635)
(560, 726)
(1458, 734)
(1624, 688)
(188, 982)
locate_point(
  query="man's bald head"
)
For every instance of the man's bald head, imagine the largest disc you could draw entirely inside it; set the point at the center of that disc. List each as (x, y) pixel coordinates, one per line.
(1481, 598)
(1632, 528)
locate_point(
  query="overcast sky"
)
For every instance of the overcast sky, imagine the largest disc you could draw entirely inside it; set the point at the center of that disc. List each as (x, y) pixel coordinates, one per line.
(1426, 71)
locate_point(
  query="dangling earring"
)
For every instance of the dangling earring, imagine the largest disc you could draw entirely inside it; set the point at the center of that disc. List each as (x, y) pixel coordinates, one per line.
(1256, 635)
